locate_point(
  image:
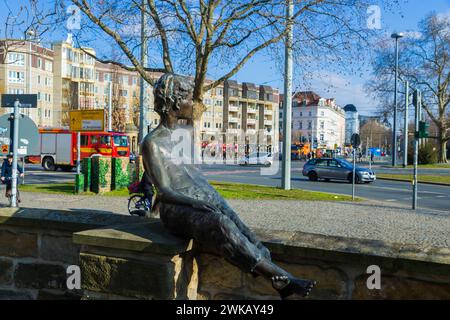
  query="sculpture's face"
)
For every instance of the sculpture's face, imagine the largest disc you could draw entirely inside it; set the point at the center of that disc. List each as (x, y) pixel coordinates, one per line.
(186, 105)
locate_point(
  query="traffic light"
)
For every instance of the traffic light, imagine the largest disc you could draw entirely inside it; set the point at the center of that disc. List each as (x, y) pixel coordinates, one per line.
(423, 129)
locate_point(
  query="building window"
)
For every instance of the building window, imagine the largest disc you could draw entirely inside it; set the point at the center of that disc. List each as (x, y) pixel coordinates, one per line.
(301, 114)
(322, 113)
(39, 79)
(310, 113)
(322, 124)
(16, 91)
(309, 124)
(16, 77)
(16, 59)
(39, 63)
(300, 125)
(48, 66)
(321, 137)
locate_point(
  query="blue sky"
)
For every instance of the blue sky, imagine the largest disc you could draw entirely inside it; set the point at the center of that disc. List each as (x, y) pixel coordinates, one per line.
(346, 88)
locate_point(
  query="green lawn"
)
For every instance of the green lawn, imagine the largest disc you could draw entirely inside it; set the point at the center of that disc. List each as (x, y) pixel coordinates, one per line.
(227, 190)
(422, 178)
(429, 166)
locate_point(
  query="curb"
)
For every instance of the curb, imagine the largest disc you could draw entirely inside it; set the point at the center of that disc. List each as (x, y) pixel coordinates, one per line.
(420, 182)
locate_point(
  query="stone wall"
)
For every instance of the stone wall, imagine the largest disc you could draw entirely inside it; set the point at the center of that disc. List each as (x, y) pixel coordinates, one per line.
(124, 257)
(36, 248)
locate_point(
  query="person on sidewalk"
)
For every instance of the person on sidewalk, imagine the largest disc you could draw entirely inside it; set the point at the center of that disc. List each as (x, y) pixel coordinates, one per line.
(6, 176)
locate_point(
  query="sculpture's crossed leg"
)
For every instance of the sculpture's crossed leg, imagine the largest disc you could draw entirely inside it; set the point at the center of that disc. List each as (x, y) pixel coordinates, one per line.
(217, 234)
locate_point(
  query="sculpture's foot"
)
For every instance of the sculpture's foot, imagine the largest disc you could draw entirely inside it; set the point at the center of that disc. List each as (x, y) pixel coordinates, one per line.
(289, 287)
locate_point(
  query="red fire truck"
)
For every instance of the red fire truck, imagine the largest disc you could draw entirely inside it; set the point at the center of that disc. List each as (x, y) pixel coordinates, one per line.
(59, 147)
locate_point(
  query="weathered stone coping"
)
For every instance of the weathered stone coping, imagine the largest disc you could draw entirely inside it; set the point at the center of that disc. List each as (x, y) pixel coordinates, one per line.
(62, 220)
(148, 236)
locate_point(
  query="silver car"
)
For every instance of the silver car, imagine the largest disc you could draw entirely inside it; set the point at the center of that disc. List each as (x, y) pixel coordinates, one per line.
(336, 169)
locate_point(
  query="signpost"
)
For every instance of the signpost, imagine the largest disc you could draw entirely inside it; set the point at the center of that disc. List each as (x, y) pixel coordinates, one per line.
(356, 142)
(86, 120)
(17, 101)
(417, 104)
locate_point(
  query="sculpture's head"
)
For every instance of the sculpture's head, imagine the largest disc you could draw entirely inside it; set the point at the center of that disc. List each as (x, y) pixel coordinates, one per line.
(174, 94)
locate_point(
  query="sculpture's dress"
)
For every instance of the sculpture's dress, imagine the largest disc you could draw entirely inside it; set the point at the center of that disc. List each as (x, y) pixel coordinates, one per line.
(221, 232)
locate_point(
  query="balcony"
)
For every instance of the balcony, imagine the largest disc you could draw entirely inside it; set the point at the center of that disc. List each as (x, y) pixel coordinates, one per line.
(268, 122)
(251, 121)
(233, 108)
(268, 111)
(251, 131)
(234, 120)
(251, 110)
(233, 130)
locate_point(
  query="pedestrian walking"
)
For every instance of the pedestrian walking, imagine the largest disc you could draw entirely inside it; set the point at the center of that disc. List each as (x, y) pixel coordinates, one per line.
(6, 177)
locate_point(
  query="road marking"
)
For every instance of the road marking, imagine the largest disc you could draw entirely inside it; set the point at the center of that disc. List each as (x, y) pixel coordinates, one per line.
(392, 200)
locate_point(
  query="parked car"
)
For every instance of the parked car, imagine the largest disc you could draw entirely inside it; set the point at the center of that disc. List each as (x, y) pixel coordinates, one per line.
(336, 169)
(261, 158)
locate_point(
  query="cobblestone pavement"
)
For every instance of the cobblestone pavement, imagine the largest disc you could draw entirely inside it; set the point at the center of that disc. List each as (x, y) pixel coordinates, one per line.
(368, 220)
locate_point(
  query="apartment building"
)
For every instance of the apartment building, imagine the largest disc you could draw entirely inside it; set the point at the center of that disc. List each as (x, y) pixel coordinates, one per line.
(27, 67)
(316, 120)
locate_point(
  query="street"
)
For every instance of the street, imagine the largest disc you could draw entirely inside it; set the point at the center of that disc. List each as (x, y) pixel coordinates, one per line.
(391, 192)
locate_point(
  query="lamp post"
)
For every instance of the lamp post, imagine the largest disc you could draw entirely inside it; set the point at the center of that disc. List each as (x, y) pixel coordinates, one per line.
(287, 103)
(395, 36)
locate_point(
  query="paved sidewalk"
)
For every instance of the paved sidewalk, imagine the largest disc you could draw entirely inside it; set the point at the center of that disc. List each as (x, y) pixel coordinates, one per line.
(369, 220)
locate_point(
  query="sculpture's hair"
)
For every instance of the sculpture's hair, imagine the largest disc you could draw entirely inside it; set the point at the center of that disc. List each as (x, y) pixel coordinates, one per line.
(169, 90)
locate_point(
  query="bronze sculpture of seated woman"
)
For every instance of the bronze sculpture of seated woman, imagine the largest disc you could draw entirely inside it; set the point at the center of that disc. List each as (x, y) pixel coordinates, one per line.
(190, 207)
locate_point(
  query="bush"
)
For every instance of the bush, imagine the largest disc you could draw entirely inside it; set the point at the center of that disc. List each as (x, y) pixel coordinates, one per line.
(427, 154)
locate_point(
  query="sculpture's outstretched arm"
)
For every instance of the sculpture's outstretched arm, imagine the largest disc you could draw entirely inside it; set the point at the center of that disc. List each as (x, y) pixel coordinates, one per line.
(154, 165)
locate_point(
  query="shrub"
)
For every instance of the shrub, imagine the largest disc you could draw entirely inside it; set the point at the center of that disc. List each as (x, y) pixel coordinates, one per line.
(427, 154)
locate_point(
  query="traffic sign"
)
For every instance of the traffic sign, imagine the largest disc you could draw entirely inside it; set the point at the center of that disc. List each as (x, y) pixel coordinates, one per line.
(25, 100)
(356, 140)
(28, 135)
(87, 120)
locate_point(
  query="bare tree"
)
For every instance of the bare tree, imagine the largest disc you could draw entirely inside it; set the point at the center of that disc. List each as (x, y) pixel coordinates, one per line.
(425, 63)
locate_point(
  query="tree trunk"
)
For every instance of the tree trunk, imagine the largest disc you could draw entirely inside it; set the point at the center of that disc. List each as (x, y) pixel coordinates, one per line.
(199, 108)
(442, 156)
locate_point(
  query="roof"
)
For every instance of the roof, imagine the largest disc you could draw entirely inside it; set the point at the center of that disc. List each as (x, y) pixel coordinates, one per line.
(350, 108)
(249, 85)
(310, 98)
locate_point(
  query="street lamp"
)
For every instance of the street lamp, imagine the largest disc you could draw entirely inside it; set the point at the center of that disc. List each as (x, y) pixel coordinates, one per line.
(395, 36)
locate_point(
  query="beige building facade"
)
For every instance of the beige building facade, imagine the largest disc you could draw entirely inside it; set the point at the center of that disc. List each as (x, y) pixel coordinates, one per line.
(27, 68)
